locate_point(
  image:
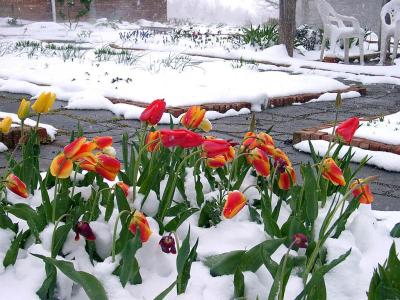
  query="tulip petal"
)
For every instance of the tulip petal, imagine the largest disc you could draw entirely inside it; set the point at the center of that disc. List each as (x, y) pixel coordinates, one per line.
(61, 166)
(14, 184)
(139, 220)
(233, 204)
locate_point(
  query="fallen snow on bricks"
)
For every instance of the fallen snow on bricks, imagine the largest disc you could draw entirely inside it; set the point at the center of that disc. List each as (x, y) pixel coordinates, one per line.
(185, 215)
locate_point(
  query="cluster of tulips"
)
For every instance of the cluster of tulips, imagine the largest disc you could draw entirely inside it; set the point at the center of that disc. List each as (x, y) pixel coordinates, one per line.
(259, 149)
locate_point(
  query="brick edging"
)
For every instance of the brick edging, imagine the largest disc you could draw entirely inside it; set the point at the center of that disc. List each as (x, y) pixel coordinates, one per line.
(315, 133)
(303, 98)
(12, 138)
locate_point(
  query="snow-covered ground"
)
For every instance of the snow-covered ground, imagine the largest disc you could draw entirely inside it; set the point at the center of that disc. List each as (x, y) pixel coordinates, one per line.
(158, 269)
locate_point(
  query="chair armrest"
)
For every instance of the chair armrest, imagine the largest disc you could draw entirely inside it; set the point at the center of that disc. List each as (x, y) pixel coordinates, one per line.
(354, 22)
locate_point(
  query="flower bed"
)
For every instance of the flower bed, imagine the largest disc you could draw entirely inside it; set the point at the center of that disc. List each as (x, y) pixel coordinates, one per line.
(187, 215)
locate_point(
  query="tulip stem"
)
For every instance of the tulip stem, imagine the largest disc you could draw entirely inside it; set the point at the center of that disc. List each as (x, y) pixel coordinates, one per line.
(115, 232)
(53, 255)
(22, 130)
(281, 291)
(176, 241)
(37, 122)
(55, 200)
(233, 169)
(324, 236)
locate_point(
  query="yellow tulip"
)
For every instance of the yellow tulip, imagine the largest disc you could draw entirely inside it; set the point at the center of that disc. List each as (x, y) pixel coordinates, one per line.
(23, 110)
(44, 102)
(5, 125)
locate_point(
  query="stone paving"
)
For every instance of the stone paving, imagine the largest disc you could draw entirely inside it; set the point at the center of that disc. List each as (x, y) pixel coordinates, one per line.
(381, 99)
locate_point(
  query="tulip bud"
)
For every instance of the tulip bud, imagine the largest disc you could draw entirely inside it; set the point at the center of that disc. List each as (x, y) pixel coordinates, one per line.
(300, 240)
(193, 117)
(154, 112)
(346, 130)
(23, 110)
(124, 187)
(332, 172)
(5, 125)
(139, 220)
(14, 184)
(364, 190)
(338, 102)
(83, 228)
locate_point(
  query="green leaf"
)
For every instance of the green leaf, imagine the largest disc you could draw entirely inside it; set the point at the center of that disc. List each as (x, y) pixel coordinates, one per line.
(60, 238)
(174, 224)
(128, 269)
(310, 193)
(251, 260)
(122, 202)
(46, 291)
(395, 232)
(45, 200)
(238, 282)
(199, 191)
(164, 294)
(183, 253)
(318, 275)
(12, 252)
(92, 286)
(109, 207)
(184, 276)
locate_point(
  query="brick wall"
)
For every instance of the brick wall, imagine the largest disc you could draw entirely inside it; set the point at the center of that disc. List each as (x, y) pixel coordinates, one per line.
(127, 10)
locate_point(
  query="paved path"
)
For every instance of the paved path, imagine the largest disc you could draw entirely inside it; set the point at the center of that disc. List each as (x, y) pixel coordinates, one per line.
(381, 99)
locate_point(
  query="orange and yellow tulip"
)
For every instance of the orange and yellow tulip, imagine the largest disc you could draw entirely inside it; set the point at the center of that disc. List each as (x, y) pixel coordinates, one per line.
(218, 161)
(139, 220)
(249, 141)
(364, 190)
(124, 187)
(195, 118)
(14, 184)
(61, 166)
(280, 154)
(23, 110)
(153, 141)
(107, 166)
(233, 204)
(260, 162)
(332, 172)
(265, 142)
(44, 102)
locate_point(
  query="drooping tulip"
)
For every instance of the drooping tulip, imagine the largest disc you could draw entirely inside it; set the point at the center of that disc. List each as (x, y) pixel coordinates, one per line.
(265, 142)
(83, 228)
(332, 172)
(364, 190)
(280, 154)
(167, 244)
(300, 240)
(180, 137)
(153, 141)
(235, 201)
(249, 141)
(107, 166)
(14, 184)
(215, 162)
(139, 220)
(5, 125)
(346, 130)
(153, 112)
(23, 110)
(61, 166)
(44, 102)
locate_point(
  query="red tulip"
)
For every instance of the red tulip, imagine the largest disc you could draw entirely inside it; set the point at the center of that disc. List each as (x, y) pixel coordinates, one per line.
(83, 229)
(14, 184)
(286, 178)
(103, 141)
(153, 113)
(233, 204)
(180, 137)
(139, 220)
(364, 190)
(332, 172)
(215, 147)
(345, 131)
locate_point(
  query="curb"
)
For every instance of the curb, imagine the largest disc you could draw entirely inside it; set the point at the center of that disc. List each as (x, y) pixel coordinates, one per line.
(314, 133)
(12, 138)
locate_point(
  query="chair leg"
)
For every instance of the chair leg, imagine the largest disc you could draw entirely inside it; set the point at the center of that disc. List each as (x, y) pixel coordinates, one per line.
(361, 45)
(395, 46)
(321, 58)
(346, 50)
(383, 49)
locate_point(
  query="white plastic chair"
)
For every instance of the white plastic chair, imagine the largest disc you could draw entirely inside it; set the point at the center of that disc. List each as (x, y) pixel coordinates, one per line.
(390, 18)
(335, 29)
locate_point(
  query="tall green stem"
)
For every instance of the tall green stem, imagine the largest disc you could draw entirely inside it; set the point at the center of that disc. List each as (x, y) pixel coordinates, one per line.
(115, 232)
(281, 290)
(55, 200)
